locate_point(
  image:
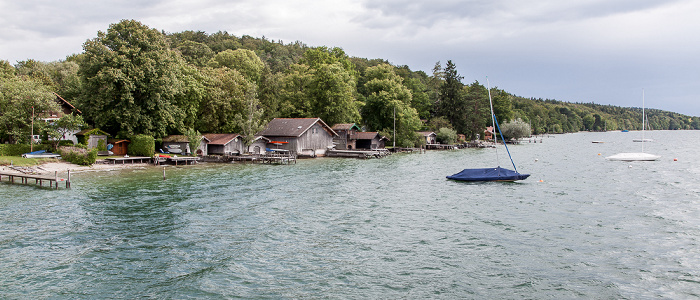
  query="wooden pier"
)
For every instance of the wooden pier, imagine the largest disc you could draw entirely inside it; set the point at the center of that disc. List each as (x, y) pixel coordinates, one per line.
(38, 179)
(130, 160)
(376, 153)
(186, 160)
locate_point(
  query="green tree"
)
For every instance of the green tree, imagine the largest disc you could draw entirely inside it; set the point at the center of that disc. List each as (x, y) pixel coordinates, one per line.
(57, 130)
(244, 61)
(226, 94)
(22, 102)
(130, 81)
(332, 94)
(446, 136)
(476, 111)
(515, 129)
(387, 94)
(198, 54)
(451, 102)
(194, 139)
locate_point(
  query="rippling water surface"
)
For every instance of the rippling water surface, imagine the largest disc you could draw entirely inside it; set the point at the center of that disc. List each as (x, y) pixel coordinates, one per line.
(579, 227)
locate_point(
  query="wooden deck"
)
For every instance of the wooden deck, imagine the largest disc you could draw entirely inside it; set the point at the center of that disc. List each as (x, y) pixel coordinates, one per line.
(38, 179)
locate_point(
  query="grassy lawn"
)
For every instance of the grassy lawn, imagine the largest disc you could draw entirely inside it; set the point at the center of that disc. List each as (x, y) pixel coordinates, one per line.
(23, 162)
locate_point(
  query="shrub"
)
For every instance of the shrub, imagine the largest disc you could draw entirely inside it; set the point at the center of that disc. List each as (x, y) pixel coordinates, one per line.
(516, 129)
(19, 149)
(142, 145)
(65, 143)
(78, 156)
(447, 136)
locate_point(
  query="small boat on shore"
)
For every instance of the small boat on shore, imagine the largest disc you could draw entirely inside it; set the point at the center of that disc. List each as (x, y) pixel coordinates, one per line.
(40, 154)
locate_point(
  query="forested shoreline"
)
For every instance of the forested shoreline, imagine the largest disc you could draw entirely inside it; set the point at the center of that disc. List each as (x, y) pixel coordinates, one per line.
(133, 79)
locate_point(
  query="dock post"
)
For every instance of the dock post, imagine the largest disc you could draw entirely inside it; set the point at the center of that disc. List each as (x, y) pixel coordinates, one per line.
(55, 178)
(163, 173)
(68, 182)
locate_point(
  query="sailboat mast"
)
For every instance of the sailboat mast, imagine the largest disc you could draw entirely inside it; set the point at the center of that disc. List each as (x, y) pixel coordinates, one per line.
(643, 117)
(493, 122)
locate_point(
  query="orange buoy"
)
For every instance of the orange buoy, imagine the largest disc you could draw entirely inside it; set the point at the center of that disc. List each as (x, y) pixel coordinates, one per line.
(675, 159)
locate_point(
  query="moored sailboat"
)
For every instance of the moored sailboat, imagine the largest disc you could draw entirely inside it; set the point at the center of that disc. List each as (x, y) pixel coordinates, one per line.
(491, 174)
(636, 156)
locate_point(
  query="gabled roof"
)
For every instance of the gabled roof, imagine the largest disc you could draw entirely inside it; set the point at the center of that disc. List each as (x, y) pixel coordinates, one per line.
(427, 133)
(64, 102)
(176, 138)
(293, 127)
(91, 131)
(220, 138)
(346, 126)
(367, 135)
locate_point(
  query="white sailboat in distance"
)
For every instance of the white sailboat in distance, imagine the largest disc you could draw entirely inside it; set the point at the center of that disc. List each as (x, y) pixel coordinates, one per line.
(636, 156)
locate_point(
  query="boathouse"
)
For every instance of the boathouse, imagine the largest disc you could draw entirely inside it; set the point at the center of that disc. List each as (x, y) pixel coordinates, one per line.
(222, 144)
(303, 136)
(176, 144)
(369, 140)
(92, 137)
(429, 136)
(258, 145)
(346, 136)
(119, 147)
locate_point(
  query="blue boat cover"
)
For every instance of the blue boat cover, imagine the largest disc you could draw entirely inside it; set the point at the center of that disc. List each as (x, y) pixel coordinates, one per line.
(36, 152)
(488, 174)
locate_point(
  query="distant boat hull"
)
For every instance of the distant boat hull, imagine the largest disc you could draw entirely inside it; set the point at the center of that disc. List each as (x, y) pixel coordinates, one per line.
(40, 154)
(642, 140)
(488, 174)
(633, 157)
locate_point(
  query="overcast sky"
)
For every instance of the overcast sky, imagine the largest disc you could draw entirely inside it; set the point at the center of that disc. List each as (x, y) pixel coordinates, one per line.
(602, 51)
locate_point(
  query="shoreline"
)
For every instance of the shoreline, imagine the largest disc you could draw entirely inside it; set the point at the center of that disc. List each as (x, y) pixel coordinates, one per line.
(62, 167)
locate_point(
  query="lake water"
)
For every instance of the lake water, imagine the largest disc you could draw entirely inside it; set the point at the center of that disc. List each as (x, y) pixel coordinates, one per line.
(579, 227)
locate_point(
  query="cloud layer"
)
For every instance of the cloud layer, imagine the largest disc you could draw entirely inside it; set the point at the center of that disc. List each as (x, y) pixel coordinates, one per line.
(578, 51)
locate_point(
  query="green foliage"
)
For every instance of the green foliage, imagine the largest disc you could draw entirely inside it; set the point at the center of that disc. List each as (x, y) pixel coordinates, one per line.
(385, 94)
(446, 136)
(478, 113)
(19, 149)
(194, 138)
(101, 145)
(227, 95)
(439, 122)
(244, 61)
(515, 129)
(22, 100)
(78, 156)
(142, 145)
(130, 81)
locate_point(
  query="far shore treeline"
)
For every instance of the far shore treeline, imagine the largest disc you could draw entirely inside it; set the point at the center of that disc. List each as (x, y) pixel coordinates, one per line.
(133, 79)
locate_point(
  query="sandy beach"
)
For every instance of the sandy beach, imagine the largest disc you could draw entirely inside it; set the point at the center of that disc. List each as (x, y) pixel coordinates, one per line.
(62, 167)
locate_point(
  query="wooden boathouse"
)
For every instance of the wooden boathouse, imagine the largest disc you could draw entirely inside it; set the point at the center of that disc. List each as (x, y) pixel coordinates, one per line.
(301, 136)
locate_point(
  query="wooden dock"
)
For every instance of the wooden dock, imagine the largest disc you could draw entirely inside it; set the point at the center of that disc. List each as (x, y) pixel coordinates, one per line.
(186, 160)
(38, 179)
(130, 160)
(376, 153)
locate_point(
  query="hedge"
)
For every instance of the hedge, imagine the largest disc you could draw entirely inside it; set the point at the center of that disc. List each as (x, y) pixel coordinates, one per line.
(19, 149)
(142, 145)
(78, 156)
